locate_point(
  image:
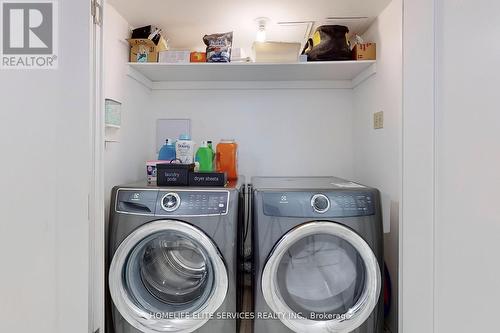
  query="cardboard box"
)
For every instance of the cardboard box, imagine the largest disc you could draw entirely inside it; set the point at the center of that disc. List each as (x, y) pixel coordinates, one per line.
(366, 51)
(276, 52)
(151, 171)
(145, 50)
(174, 57)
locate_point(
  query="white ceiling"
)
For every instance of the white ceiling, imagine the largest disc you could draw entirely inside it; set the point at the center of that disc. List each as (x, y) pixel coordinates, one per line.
(185, 22)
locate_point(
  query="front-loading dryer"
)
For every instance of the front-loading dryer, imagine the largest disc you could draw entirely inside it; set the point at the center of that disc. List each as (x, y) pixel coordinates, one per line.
(173, 254)
(318, 256)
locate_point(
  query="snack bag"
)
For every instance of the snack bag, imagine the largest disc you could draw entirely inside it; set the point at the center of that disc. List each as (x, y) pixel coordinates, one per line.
(219, 47)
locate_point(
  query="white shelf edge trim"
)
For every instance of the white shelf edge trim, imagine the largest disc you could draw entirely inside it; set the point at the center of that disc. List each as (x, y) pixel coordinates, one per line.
(252, 85)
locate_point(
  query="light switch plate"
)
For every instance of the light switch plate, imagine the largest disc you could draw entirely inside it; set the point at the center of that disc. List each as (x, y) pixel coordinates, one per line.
(378, 120)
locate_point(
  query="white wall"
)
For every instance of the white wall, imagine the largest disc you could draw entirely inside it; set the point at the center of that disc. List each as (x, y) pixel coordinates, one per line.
(124, 161)
(280, 132)
(44, 176)
(467, 227)
(377, 153)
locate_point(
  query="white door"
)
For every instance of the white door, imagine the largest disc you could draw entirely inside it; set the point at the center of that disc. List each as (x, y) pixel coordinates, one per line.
(167, 276)
(322, 277)
(44, 176)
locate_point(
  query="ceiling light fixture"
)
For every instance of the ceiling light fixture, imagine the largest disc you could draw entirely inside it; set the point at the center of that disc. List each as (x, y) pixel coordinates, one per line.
(261, 29)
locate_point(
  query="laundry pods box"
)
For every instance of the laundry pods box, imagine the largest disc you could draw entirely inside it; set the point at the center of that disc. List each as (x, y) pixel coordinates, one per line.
(366, 51)
(151, 171)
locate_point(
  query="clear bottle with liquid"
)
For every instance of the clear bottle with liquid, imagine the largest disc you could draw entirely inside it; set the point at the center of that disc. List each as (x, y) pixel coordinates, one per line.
(227, 158)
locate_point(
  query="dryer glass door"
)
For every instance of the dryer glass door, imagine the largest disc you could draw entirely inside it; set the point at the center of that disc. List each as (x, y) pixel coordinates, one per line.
(322, 277)
(167, 276)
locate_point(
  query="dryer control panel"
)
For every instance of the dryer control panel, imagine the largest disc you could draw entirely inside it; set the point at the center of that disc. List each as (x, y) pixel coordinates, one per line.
(319, 204)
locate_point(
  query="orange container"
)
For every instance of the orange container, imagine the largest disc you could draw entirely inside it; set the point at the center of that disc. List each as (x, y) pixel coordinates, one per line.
(227, 158)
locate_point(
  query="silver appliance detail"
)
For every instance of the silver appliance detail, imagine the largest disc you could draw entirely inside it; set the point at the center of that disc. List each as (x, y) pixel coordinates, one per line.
(357, 312)
(318, 259)
(173, 279)
(320, 203)
(170, 202)
(171, 259)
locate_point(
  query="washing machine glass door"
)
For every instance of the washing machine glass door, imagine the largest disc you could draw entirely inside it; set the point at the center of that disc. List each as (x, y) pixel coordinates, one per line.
(322, 277)
(167, 276)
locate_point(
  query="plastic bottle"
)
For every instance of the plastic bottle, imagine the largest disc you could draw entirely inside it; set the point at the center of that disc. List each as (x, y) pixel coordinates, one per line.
(209, 144)
(204, 156)
(227, 158)
(184, 149)
(167, 152)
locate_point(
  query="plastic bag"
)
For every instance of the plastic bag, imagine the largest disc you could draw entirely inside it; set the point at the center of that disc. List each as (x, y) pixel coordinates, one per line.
(328, 43)
(219, 47)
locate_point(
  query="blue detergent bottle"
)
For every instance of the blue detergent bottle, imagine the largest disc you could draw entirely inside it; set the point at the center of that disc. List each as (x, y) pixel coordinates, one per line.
(167, 152)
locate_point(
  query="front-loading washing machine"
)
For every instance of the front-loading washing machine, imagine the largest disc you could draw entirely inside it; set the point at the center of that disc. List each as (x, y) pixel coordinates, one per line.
(318, 256)
(173, 259)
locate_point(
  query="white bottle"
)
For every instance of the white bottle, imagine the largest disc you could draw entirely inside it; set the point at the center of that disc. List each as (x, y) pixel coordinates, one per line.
(184, 149)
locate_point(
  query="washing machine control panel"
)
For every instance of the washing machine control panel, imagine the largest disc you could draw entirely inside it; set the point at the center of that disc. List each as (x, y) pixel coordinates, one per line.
(192, 203)
(319, 204)
(171, 203)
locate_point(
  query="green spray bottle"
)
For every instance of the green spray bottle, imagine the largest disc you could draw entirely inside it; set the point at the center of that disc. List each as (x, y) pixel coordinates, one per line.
(205, 158)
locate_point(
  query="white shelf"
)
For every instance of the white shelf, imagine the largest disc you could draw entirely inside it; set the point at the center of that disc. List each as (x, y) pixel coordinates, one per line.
(351, 72)
(112, 126)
